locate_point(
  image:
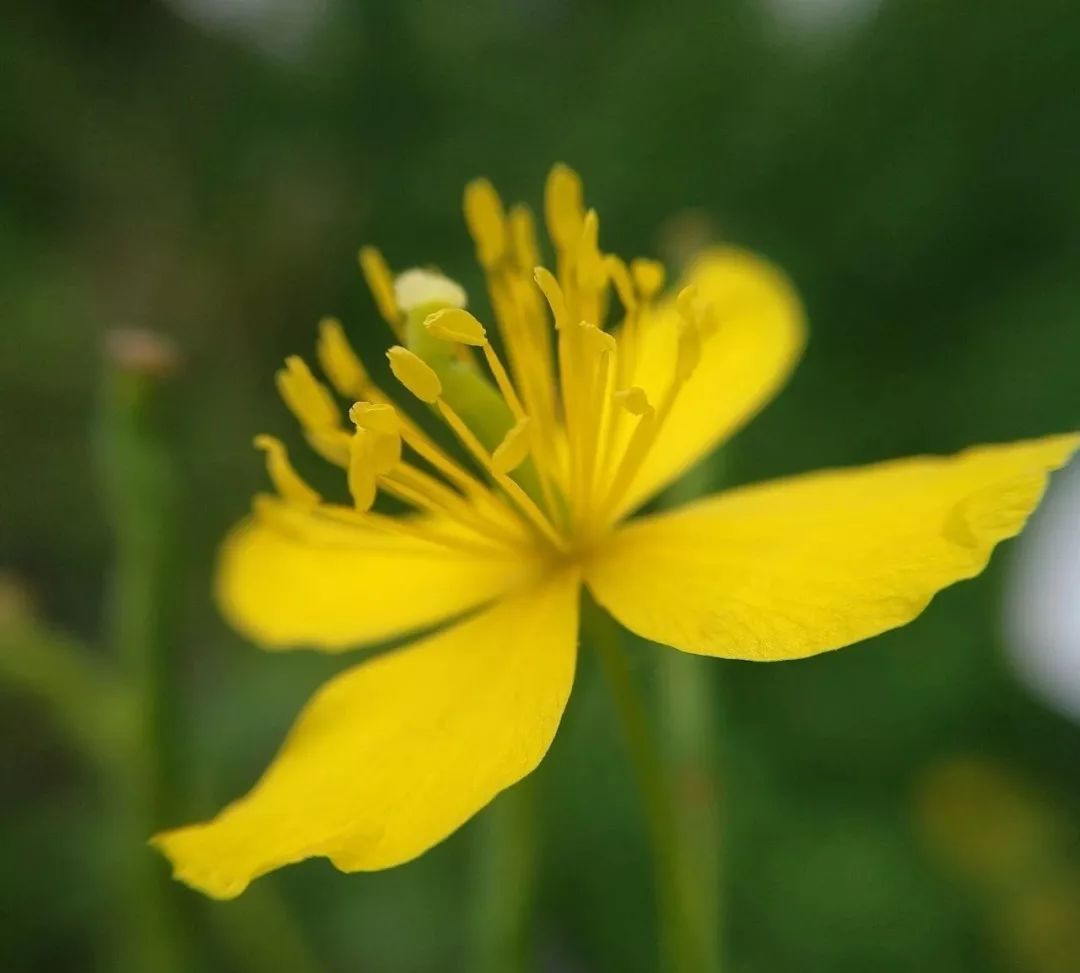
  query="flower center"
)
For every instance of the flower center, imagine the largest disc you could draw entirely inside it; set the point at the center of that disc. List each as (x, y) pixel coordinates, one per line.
(548, 443)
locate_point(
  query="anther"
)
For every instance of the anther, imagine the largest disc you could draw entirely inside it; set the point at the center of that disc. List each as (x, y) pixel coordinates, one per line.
(624, 286)
(633, 400)
(523, 247)
(286, 480)
(456, 324)
(563, 208)
(381, 284)
(415, 374)
(590, 264)
(307, 398)
(338, 360)
(486, 221)
(376, 416)
(553, 294)
(362, 470)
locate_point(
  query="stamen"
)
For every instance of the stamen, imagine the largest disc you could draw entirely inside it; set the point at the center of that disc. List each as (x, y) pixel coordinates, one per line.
(523, 246)
(511, 452)
(338, 360)
(553, 294)
(381, 284)
(415, 528)
(619, 275)
(377, 416)
(286, 480)
(524, 502)
(415, 374)
(633, 400)
(307, 398)
(331, 444)
(385, 451)
(650, 424)
(563, 207)
(486, 222)
(362, 470)
(455, 324)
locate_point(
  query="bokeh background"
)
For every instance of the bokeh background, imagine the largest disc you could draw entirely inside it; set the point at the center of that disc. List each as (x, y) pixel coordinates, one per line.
(206, 169)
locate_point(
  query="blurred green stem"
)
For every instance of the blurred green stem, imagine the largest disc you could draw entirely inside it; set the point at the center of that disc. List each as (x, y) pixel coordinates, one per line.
(140, 486)
(506, 883)
(683, 928)
(688, 720)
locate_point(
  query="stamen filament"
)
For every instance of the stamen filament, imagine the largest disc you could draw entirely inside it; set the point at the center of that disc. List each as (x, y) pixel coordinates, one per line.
(524, 502)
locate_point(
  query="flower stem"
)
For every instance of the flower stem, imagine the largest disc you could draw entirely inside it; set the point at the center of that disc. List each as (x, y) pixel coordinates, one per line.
(505, 883)
(689, 721)
(139, 484)
(684, 931)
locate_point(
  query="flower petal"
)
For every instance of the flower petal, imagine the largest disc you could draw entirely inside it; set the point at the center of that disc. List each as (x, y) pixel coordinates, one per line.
(759, 337)
(800, 566)
(394, 754)
(294, 579)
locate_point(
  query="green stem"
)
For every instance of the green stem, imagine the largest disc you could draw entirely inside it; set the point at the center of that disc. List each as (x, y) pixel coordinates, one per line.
(506, 883)
(688, 719)
(683, 936)
(140, 486)
(688, 728)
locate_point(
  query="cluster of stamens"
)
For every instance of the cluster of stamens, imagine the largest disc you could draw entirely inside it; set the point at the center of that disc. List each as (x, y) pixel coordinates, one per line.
(548, 444)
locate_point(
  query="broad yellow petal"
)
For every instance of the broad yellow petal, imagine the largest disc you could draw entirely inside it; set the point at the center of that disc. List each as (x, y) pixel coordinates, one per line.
(759, 336)
(800, 566)
(394, 754)
(294, 579)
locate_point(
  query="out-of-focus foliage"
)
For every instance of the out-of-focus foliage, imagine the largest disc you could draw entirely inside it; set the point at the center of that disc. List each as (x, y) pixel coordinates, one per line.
(916, 174)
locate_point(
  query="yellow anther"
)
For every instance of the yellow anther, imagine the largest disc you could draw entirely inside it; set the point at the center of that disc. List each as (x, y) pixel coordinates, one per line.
(648, 277)
(590, 264)
(331, 444)
(286, 480)
(338, 360)
(553, 294)
(381, 284)
(597, 342)
(456, 324)
(486, 221)
(415, 374)
(511, 452)
(523, 246)
(563, 207)
(385, 451)
(633, 400)
(416, 287)
(307, 398)
(376, 416)
(624, 285)
(362, 470)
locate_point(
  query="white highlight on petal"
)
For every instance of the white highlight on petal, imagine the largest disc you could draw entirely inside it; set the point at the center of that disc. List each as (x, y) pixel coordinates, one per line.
(1042, 605)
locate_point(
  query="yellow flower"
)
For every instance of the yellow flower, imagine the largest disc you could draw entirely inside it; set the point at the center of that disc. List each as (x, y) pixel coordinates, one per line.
(557, 446)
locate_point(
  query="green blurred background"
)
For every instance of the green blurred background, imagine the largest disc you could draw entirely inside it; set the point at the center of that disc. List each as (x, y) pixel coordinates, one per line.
(207, 169)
